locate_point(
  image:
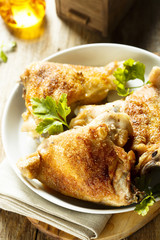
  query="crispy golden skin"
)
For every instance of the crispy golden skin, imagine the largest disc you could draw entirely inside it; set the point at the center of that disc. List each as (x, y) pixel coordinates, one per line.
(83, 163)
(143, 109)
(82, 84)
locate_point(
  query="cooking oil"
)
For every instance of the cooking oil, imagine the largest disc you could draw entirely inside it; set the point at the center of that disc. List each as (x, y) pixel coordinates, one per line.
(24, 17)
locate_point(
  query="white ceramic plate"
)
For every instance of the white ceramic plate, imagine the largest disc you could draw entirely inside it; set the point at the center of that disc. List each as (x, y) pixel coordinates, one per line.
(18, 144)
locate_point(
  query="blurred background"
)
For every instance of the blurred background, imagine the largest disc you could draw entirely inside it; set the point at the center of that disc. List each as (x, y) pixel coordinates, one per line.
(139, 26)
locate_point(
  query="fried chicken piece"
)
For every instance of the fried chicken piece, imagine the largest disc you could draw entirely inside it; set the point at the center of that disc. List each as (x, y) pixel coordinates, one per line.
(83, 163)
(143, 108)
(82, 84)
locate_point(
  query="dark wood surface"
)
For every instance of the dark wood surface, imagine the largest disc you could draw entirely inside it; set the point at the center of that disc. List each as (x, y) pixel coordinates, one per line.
(140, 28)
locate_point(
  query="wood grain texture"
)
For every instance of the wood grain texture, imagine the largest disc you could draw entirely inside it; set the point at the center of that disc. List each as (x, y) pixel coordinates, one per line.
(101, 15)
(141, 28)
(119, 226)
(14, 226)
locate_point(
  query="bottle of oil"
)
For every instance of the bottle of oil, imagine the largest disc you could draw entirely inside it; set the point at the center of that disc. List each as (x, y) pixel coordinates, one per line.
(24, 17)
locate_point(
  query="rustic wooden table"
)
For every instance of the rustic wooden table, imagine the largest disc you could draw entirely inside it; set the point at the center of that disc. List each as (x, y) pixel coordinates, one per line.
(141, 28)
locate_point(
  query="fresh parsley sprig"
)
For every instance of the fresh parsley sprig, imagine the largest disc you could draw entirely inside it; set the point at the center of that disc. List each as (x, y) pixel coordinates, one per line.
(3, 56)
(143, 207)
(6, 47)
(53, 115)
(150, 194)
(131, 70)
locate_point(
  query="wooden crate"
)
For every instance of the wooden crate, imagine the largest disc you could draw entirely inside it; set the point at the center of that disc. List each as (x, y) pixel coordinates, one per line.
(101, 15)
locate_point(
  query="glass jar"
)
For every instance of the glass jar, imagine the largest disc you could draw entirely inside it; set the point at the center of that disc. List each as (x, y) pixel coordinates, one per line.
(24, 17)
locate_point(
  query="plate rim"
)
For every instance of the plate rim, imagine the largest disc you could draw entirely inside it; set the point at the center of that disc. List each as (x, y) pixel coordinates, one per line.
(100, 45)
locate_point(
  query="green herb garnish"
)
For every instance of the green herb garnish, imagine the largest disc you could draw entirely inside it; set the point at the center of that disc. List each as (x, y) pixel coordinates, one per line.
(143, 207)
(6, 47)
(150, 193)
(3, 56)
(52, 114)
(131, 70)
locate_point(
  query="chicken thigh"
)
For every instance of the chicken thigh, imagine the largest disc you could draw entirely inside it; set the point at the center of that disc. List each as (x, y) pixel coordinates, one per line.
(84, 163)
(82, 84)
(143, 108)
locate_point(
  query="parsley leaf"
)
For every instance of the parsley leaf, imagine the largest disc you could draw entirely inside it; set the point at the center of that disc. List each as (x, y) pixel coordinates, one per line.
(52, 114)
(143, 207)
(6, 47)
(3, 56)
(62, 108)
(49, 126)
(143, 183)
(130, 71)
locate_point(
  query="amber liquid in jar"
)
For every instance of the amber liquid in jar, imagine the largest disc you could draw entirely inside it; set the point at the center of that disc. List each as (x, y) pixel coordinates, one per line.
(24, 17)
